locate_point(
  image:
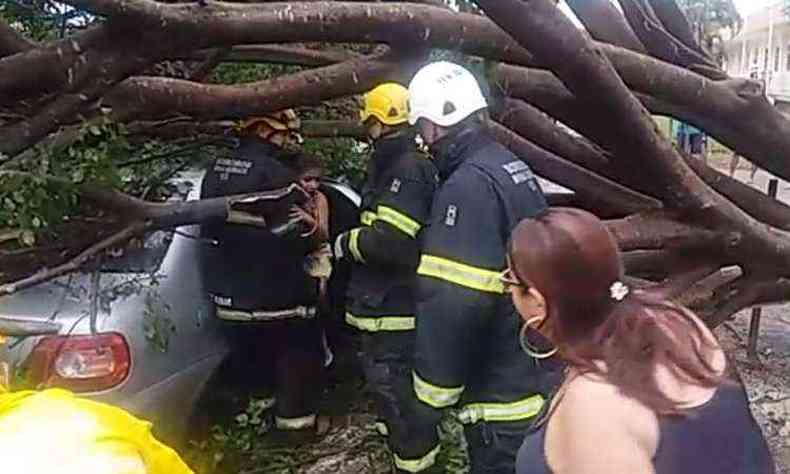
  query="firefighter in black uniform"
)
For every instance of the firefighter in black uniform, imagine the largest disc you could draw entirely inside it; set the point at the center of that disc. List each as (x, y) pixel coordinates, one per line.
(468, 352)
(396, 200)
(258, 282)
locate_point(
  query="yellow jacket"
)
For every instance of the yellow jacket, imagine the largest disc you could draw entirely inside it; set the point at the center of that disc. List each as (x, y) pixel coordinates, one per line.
(53, 431)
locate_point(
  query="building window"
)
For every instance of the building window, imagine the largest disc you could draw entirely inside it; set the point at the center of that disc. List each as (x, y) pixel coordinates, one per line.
(787, 58)
(777, 58)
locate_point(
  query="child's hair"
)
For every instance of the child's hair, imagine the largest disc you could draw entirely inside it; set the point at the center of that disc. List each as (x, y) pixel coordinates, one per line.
(298, 161)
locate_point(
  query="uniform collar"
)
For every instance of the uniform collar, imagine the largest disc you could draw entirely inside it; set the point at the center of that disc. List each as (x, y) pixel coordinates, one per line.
(386, 148)
(250, 147)
(451, 150)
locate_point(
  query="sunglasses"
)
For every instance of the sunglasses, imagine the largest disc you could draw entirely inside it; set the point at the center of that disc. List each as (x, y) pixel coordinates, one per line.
(509, 279)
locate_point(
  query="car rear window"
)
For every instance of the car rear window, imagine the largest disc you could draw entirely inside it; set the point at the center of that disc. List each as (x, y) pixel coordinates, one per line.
(140, 255)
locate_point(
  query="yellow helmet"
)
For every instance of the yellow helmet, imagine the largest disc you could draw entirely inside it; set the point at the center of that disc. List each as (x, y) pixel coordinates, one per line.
(388, 102)
(284, 120)
(285, 123)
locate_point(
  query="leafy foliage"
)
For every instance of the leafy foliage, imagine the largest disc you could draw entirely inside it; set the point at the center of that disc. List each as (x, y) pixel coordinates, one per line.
(708, 18)
(229, 73)
(41, 20)
(102, 155)
(344, 158)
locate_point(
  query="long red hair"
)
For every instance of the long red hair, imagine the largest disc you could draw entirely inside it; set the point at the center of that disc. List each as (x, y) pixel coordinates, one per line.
(570, 257)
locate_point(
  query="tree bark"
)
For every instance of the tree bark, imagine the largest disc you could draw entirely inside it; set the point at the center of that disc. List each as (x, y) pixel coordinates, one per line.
(599, 192)
(659, 42)
(676, 24)
(605, 23)
(11, 41)
(277, 54)
(154, 97)
(399, 24)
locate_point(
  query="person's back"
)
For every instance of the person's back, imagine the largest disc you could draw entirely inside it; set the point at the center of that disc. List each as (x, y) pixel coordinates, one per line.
(719, 437)
(644, 374)
(247, 267)
(467, 332)
(384, 251)
(258, 280)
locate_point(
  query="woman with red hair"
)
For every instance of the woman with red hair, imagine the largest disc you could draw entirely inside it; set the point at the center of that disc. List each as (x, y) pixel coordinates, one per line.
(645, 389)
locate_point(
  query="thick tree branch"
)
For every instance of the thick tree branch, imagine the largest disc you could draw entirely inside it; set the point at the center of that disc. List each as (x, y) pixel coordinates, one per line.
(399, 24)
(539, 128)
(47, 68)
(11, 41)
(546, 91)
(598, 191)
(157, 96)
(584, 69)
(663, 230)
(605, 23)
(179, 128)
(77, 262)
(659, 42)
(106, 70)
(676, 24)
(278, 54)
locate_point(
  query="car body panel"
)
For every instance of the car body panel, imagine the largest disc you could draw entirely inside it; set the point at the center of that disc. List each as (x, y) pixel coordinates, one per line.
(175, 341)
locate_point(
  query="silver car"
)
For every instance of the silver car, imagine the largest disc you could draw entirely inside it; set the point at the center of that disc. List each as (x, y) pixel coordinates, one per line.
(138, 332)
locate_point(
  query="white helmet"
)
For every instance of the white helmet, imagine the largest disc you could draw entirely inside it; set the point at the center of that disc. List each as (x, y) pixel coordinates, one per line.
(444, 93)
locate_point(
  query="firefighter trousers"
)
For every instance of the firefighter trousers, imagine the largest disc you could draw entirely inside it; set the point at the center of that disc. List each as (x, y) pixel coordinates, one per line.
(387, 361)
(283, 358)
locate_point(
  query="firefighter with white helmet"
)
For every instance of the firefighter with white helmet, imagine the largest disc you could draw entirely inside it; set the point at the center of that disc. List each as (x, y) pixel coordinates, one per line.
(384, 252)
(468, 353)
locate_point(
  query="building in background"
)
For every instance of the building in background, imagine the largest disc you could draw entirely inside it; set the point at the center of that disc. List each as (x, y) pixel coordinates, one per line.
(761, 50)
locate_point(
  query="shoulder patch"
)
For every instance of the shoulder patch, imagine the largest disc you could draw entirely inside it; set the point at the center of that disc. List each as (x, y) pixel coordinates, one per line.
(395, 186)
(519, 171)
(515, 166)
(451, 216)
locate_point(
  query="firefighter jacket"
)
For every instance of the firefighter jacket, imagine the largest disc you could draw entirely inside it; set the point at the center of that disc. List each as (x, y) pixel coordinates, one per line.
(396, 200)
(248, 268)
(467, 328)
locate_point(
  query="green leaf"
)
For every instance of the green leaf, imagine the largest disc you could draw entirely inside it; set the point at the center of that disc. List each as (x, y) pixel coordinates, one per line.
(78, 175)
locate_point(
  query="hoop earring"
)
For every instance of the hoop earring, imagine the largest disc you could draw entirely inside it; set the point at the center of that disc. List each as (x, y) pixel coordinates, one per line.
(525, 346)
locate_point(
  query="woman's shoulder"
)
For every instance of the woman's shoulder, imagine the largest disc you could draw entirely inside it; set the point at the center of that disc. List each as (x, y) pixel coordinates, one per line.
(594, 395)
(592, 409)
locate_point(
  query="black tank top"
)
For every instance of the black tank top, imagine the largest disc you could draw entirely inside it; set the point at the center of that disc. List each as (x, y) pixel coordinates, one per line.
(719, 437)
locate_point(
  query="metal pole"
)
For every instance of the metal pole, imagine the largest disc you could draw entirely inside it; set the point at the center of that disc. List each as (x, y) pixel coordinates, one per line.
(754, 331)
(757, 312)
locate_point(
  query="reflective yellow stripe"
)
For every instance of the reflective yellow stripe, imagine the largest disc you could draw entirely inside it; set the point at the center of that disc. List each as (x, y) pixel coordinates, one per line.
(381, 428)
(461, 274)
(437, 397)
(299, 423)
(368, 218)
(514, 411)
(417, 465)
(400, 221)
(353, 245)
(384, 323)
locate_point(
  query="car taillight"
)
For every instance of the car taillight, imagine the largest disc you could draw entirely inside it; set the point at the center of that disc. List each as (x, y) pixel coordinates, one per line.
(86, 363)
